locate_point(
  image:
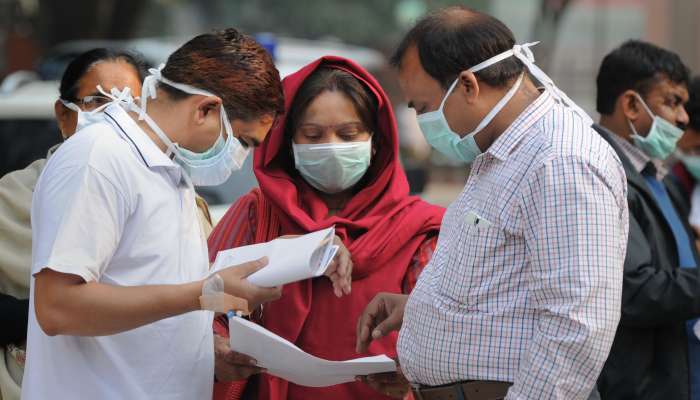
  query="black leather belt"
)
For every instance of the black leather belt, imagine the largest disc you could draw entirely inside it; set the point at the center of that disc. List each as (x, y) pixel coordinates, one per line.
(470, 390)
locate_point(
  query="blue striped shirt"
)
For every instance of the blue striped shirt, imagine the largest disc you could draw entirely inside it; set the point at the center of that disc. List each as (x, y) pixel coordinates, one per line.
(526, 280)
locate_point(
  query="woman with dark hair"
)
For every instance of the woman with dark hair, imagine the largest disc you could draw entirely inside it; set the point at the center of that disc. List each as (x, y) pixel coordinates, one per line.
(120, 299)
(78, 89)
(331, 161)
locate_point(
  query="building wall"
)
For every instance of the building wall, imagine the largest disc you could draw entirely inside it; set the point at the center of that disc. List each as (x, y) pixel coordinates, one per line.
(591, 28)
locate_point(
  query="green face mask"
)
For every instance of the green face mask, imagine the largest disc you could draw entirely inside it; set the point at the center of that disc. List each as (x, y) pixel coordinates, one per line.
(692, 164)
(209, 153)
(661, 140)
(332, 167)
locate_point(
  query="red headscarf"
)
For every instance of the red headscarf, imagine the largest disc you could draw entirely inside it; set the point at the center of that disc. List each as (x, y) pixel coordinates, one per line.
(381, 225)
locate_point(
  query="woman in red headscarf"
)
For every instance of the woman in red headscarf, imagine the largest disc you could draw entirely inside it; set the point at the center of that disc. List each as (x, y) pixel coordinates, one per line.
(332, 160)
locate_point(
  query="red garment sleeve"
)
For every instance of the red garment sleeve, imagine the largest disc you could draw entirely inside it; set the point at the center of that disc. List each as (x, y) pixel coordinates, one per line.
(420, 259)
(236, 228)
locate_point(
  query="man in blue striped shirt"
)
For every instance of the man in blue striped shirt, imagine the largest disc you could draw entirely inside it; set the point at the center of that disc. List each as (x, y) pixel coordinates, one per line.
(522, 296)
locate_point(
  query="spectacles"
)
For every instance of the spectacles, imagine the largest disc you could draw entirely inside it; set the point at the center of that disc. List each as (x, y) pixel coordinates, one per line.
(89, 103)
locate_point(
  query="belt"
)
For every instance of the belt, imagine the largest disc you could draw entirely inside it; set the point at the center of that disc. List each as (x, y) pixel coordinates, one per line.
(469, 390)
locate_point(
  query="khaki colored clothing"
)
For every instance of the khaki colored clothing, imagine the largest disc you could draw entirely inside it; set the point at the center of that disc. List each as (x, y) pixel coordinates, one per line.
(16, 190)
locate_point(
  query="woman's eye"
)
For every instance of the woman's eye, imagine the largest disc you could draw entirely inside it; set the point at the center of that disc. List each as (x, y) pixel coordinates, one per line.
(348, 132)
(310, 133)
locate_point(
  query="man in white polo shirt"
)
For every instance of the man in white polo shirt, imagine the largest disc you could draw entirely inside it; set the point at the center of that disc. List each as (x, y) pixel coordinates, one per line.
(119, 259)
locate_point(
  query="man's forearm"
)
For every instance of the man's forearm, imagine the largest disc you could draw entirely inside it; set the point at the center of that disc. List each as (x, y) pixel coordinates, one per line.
(96, 309)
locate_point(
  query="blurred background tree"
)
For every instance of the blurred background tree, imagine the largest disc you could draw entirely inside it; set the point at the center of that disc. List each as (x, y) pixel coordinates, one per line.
(30, 27)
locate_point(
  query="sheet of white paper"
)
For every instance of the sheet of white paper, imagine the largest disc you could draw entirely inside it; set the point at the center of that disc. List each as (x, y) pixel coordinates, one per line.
(289, 260)
(285, 360)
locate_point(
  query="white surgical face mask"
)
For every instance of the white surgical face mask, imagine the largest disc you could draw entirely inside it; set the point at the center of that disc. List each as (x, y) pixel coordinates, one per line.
(437, 130)
(332, 167)
(85, 118)
(209, 168)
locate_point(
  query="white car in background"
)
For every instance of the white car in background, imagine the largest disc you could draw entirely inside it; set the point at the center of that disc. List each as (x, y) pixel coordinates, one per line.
(28, 128)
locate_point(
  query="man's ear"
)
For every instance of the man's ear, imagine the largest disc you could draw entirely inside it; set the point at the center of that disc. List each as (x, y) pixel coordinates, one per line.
(630, 105)
(204, 106)
(468, 86)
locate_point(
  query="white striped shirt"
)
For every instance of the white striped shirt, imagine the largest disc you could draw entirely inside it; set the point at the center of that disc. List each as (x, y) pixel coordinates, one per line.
(525, 284)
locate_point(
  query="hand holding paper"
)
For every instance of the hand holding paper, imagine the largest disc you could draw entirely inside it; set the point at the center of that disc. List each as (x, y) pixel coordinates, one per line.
(234, 283)
(285, 360)
(339, 271)
(289, 260)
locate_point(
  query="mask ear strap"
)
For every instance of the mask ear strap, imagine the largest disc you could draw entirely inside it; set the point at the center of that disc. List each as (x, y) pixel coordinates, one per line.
(148, 88)
(117, 96)
(447, 94)
(644, 104)
(70, 105)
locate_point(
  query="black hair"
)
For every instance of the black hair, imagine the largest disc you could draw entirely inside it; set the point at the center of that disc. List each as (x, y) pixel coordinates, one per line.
(692, 107)
(333, 79)
(456, 38)
(70, 81)
(636, 65)
(231, 65)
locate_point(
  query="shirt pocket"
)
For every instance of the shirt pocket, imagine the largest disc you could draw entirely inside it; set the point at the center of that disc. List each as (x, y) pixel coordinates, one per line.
(478, 267)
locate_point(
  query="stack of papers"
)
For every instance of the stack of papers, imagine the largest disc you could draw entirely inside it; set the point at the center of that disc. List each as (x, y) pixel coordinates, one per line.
(283, 359)
(289, 260)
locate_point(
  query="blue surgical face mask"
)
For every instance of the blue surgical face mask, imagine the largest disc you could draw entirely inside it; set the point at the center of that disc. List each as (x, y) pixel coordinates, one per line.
(332, 167)
(205, 155)
(437, 130)
(211, 167)
(438, 133)
(661, 140)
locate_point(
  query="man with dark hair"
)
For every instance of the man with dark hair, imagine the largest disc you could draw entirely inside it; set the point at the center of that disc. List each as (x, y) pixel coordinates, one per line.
(521, 298)
(641, 92)
(687, 170)
(121, 293)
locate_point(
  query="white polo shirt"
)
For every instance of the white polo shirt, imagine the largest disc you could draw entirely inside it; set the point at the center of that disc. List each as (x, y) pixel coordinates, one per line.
(111, 207)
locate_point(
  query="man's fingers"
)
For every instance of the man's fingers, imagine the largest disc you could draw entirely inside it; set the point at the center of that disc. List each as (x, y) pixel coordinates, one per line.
(250, 267)
(238, 373)
(382, 378)
(362, 335)
(366, 323)
(262, 295)
(389, 384)
(389, 324)
(221, 346)
(240, 359)
(247, 372)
